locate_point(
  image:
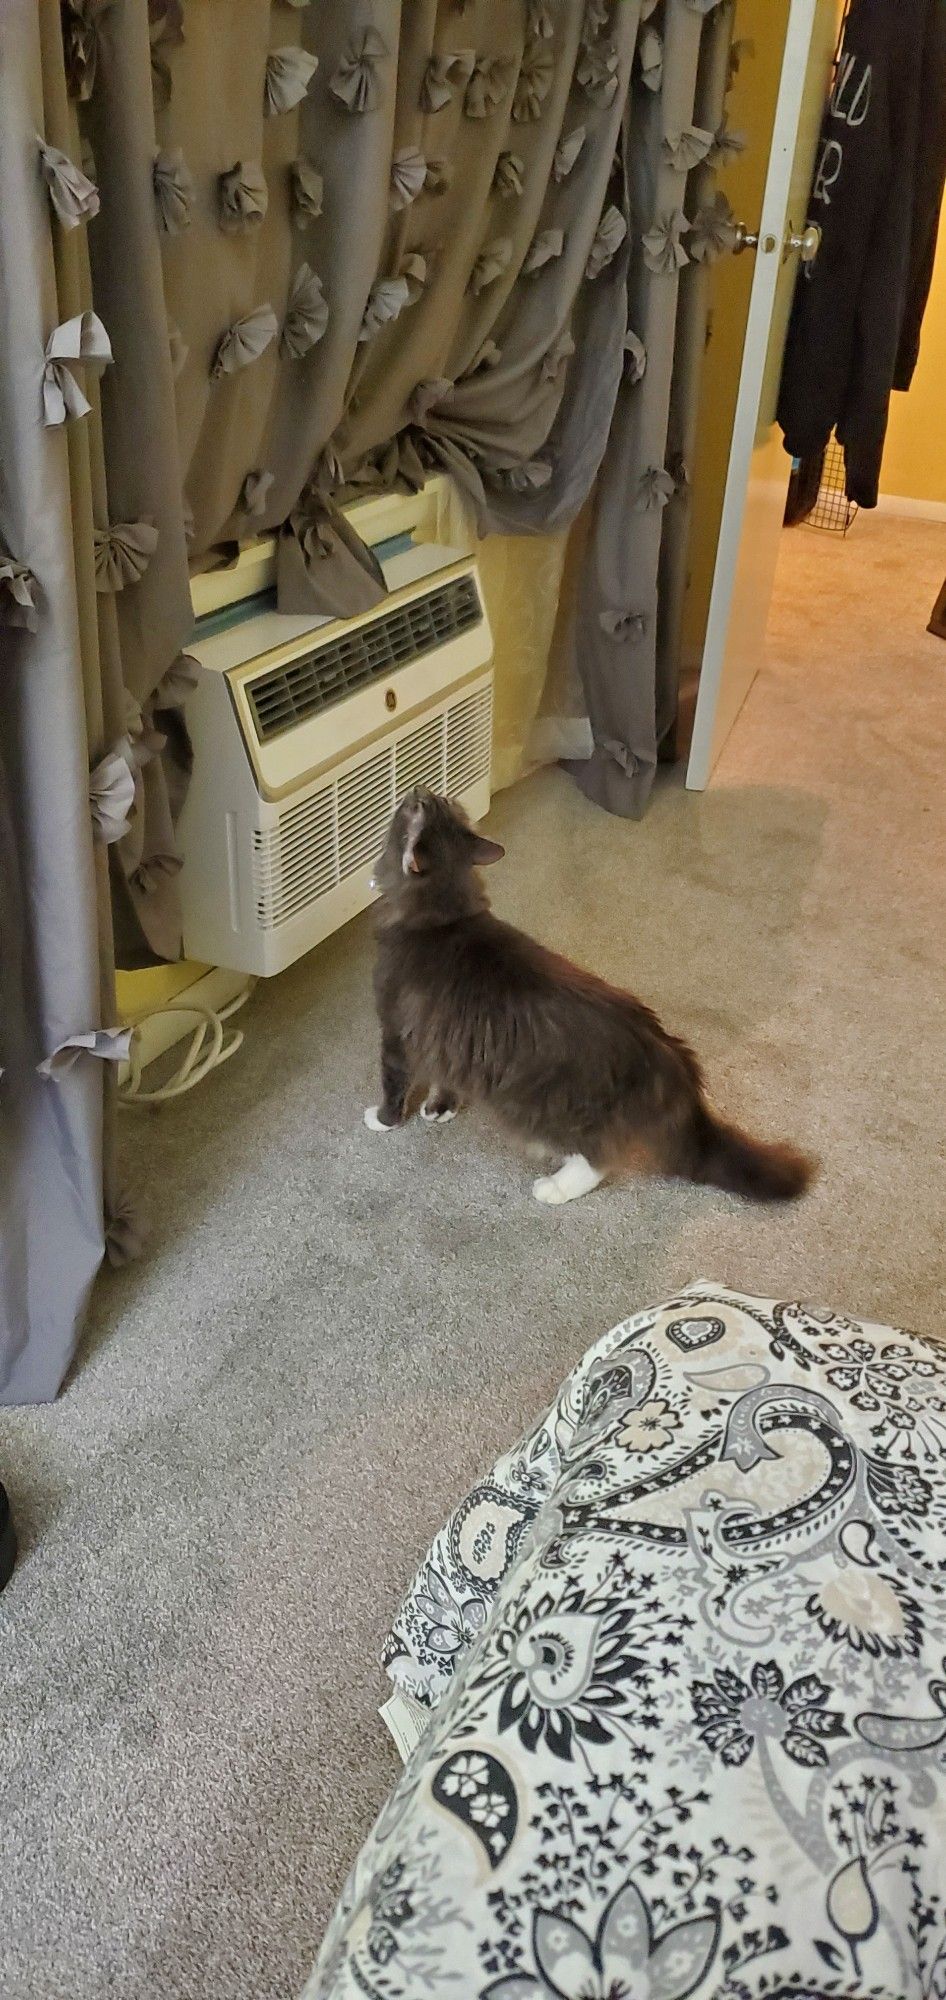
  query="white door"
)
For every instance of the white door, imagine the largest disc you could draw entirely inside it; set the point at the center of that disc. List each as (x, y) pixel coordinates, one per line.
(758, 470)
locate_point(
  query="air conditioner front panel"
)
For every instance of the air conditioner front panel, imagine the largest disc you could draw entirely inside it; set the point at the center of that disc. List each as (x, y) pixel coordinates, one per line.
(304, 706)
(301, 866)
(307, 734)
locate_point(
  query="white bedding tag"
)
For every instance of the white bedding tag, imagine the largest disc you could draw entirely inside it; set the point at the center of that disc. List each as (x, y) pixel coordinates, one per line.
(406, 1720)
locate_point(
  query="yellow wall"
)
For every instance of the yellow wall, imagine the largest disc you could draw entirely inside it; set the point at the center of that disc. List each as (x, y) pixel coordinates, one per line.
(140, 992)
(915, 451)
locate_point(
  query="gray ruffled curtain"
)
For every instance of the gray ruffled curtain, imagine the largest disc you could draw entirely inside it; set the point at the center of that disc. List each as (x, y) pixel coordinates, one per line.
(625, 634)
(356, 243)
(259, 255)
(407, 255)
(69, 752)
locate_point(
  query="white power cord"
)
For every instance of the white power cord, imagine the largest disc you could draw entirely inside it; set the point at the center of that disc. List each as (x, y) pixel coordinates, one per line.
(209, 1047)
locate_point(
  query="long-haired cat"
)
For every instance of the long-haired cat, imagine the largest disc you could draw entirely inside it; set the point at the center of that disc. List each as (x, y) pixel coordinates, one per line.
(474, 1012)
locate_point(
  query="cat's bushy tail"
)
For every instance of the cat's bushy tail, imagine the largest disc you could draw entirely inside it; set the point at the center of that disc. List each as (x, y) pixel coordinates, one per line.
(757, 1169)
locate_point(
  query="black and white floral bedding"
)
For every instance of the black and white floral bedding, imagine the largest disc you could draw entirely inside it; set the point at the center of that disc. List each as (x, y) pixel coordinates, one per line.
(685, 1650)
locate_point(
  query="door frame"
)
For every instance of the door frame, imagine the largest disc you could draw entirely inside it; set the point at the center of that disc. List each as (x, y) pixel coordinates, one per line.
(774, 225)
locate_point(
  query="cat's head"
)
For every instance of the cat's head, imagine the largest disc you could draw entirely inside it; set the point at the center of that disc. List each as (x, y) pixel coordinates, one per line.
(431, 847)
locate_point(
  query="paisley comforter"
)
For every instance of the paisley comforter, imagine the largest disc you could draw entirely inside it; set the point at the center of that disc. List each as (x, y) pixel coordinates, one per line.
(682, 1664)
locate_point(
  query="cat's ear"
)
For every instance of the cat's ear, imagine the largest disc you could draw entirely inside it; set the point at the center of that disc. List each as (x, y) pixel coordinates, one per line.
(485, 852)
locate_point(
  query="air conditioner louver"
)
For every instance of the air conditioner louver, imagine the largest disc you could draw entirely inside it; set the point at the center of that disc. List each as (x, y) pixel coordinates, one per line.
(469, 744)
(365, 804)
(315, 681)
(421, 754)
(342, 827)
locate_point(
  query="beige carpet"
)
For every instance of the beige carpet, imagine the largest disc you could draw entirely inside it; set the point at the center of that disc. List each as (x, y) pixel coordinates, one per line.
(335, 1332)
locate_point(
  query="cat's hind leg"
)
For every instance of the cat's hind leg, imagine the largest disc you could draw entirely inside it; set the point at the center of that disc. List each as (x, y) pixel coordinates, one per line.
(576, 1176)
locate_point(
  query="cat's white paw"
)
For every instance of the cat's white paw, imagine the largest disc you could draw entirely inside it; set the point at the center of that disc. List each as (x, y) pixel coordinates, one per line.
(374, 1123)
(576, 1176)
(549, 1190)
(431, 1117)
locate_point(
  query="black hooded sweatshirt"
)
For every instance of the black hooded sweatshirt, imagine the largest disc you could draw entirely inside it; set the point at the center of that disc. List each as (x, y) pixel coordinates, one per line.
(855, 325)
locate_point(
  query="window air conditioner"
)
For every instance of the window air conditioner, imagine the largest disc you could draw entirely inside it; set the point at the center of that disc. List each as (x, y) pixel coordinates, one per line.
(307, 733)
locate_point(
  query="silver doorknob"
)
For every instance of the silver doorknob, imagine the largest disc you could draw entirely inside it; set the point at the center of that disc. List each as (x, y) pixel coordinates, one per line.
(749, 239)
(807, 244)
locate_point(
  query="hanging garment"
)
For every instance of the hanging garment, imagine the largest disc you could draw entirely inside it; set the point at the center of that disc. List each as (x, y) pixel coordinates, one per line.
(803, 489)
(928, 190)
(854, 331)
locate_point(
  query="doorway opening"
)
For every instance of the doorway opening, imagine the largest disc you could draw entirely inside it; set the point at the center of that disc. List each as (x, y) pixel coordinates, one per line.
(754, 513)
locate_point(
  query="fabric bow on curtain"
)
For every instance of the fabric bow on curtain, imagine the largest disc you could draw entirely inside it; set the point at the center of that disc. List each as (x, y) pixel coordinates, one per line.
(460, 237)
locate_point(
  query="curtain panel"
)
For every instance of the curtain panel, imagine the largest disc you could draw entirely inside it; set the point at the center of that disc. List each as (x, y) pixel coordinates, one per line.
(362, 242)
(66, 777)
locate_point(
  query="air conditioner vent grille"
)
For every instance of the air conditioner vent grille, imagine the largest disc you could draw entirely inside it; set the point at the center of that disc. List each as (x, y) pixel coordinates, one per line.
(419, 758)
(469, 743)
(305, 686)
(340, 828)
